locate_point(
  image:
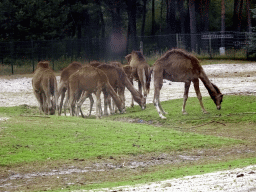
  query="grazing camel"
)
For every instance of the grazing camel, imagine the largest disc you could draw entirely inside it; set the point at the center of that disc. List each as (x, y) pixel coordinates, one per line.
(140, 71)
(86, 81)
(45, 88)
(119, 80)
(65, 74)
(179, 66)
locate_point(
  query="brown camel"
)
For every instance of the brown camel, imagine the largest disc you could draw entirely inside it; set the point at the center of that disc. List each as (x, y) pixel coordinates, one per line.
(140, 71)
(119, 80)
(86, 81)
(45, 88)
(65, 74)
(179, 66)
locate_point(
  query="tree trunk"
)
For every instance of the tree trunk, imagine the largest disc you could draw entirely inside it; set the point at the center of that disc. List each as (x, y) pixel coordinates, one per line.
(153, 31)
(143, 18)
(237, 16)
(248, 5)
(170, 17)
(182, 16)
(131, 10)
(204, 6)
(222, 22)
(193, 31)
(102, 22)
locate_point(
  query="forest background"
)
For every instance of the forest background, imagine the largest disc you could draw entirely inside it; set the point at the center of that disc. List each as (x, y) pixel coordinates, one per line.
(80, 28)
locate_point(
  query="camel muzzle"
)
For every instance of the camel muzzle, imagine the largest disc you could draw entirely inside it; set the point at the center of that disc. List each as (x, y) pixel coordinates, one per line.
(219, 107)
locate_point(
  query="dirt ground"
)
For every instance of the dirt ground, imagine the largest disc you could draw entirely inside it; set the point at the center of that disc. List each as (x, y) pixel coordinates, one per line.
(230, 78)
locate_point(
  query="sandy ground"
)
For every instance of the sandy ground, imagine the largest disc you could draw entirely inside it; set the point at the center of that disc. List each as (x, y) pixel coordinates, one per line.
(230, 78)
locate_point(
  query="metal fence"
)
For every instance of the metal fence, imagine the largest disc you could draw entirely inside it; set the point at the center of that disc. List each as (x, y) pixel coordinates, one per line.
(22, 56)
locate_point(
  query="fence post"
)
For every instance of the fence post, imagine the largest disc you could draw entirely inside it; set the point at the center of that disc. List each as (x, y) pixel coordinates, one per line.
(177, 40)
(12, 58)
(210, 46)
(141, 47)
(32, 55)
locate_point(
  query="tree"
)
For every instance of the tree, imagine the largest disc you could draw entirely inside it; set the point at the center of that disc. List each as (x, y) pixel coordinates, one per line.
(132, 32)
(204, 15)
(192, 16)
(248, 5)
(182, 16)
(153, 24)
(222, 21)
(144, 11)
(25, 20)
(170, 16)
(237, 17)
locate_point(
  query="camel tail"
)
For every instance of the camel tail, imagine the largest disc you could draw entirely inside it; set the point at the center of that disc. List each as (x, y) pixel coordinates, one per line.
(53, 90)
(115, 97)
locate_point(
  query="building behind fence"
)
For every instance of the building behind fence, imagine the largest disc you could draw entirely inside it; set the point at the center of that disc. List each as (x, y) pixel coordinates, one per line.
(15, 56)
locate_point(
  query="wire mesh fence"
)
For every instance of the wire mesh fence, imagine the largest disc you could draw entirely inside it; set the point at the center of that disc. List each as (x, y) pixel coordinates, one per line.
(22, 56)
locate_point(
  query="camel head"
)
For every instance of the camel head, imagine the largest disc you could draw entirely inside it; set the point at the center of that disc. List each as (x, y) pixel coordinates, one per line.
(218, 98)
(128, 58)
(143, 103)
(51, 109)
(218, 101)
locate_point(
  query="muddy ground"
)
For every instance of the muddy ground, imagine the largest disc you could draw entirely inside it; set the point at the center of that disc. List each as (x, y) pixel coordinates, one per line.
(17, 90)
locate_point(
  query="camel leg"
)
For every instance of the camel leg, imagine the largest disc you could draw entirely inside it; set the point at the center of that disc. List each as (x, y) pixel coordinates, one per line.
(132, 102)
(39, 99)
(106, 103)
(121, 95)
(199, 96)
(185, 97)
(72, 103)
(62, 96)
(45, 105)
(98, 103)
(80, 102)
(66, 104)
(91, 104)
(142, 80)
(158, 83)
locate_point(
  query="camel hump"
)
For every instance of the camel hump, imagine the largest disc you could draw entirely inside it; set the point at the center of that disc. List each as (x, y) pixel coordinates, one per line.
(75, 64)
(43, 64)
(138, 54)
(116, 63)
(182, 53)
(128, 58)
(95, 63)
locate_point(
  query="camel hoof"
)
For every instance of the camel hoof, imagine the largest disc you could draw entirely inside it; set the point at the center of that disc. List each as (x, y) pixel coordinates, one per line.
(205, 112)
(162, 117)
(184, 113)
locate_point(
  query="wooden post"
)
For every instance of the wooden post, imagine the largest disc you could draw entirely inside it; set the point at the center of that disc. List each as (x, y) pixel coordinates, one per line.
(141, 47)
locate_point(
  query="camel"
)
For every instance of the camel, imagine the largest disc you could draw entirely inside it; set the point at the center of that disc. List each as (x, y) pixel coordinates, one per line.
(119, 80)
(179, 66)
(45, 88)
(140, 71)
(65, 74)
(86, 81)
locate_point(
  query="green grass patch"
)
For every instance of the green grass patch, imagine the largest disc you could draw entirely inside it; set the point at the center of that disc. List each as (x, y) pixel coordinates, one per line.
(27, 139)
(234, 109)
(222, 139)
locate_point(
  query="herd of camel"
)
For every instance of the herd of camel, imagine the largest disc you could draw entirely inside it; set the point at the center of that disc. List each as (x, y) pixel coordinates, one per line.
(78, 82)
